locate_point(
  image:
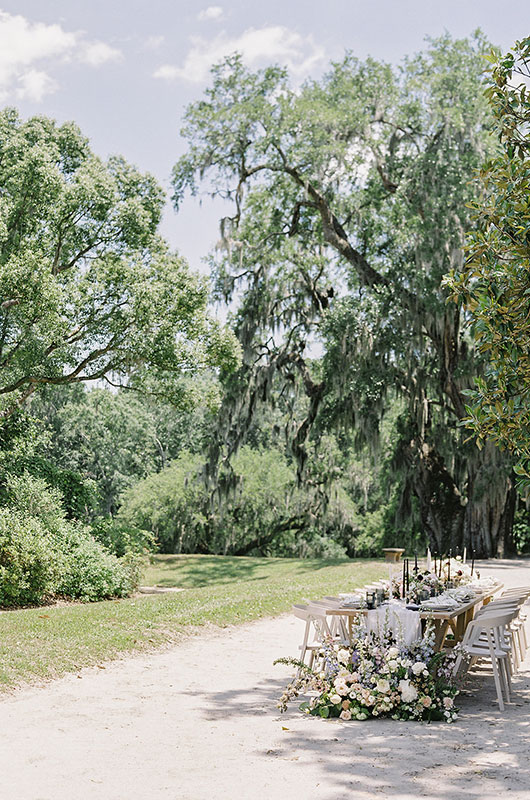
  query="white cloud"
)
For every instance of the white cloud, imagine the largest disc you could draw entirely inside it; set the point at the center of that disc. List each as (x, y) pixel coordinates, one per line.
(154, 42)
(24, 44)
(98, 53)
(167, 72)
(210, 13)
(272, 44)
(33, 85)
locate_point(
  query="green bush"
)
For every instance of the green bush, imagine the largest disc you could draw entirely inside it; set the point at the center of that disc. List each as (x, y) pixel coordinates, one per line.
(43, 554)
(29, 566)
(90, 572)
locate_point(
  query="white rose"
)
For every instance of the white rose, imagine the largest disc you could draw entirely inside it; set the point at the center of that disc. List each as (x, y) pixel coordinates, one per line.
(335, 699)
(408, 692)
(345, 714)
(393, 652)
(418, 667)
(393, 665)
(382, 686)
(343, 656)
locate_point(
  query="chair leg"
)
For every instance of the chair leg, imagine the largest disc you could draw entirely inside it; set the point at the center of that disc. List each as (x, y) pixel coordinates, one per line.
(458, 664)
(525, 642)
(520, 640)
(508, 670)
(498, 681)
(498, 675)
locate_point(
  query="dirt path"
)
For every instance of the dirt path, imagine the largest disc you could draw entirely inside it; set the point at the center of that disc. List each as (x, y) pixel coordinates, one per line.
(199, 722)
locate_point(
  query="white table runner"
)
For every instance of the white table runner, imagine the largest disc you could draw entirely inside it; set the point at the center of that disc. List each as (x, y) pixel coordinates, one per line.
(404, 623)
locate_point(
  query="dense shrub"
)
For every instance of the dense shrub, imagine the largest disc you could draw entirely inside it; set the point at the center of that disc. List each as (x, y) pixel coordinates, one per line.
(42, 553)
(29, 566)
(90, 572)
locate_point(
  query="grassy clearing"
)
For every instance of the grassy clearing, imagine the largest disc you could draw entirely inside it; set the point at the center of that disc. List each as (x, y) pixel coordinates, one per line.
(41, 643)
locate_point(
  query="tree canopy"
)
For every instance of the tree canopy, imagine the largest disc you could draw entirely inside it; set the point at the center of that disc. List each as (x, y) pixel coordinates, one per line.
(494, 285)
(351, 199)
(88, 288)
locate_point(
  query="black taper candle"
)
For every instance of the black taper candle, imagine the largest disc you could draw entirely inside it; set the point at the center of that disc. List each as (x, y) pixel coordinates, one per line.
(472, 561)
(416, 561)
(403, 582)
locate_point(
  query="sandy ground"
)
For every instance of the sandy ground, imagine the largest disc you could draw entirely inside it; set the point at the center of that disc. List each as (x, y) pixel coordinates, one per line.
(198, 722)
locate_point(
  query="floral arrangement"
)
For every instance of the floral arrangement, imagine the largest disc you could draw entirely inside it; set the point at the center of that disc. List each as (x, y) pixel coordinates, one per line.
(396, 588)
(421, 582)
(459, 573)
(377, 676)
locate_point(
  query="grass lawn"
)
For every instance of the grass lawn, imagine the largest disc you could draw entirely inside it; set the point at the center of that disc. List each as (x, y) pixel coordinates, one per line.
(41, 643)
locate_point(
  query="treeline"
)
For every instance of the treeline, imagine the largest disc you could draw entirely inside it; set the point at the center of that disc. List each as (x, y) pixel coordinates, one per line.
(353, 195)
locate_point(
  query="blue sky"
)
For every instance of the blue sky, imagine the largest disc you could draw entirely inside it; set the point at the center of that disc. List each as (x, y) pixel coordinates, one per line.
(124, 70)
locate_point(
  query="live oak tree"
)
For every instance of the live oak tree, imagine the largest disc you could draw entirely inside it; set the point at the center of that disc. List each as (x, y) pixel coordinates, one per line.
(88, 288)
(350, 202)
(495, 285)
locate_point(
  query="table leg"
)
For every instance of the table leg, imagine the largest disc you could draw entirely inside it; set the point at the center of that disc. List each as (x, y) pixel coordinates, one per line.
(461, 625)
(441, 626)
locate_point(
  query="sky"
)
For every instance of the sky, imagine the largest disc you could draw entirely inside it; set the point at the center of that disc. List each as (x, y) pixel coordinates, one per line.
(125, 70)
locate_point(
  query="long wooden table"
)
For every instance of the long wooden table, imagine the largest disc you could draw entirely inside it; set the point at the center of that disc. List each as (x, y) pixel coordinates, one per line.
(455, 620)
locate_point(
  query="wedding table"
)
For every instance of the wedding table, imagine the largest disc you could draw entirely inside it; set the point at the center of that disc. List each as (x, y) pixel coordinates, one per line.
(454, 620)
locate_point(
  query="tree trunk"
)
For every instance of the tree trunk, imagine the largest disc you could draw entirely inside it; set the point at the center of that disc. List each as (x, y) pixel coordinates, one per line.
(482, 521)
(442, 507)
(491, 507)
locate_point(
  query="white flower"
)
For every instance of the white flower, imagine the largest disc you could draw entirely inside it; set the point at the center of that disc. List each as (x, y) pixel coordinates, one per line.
(335, 699)
(393, 652)
(382, 686)
(419, 667)
(345, 714)
(408, 692)
(393, 665)
(448, 702)
(343, 656)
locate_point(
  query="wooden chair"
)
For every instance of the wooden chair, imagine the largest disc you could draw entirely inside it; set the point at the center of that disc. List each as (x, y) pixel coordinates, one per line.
(316, 631)
(337, 625)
